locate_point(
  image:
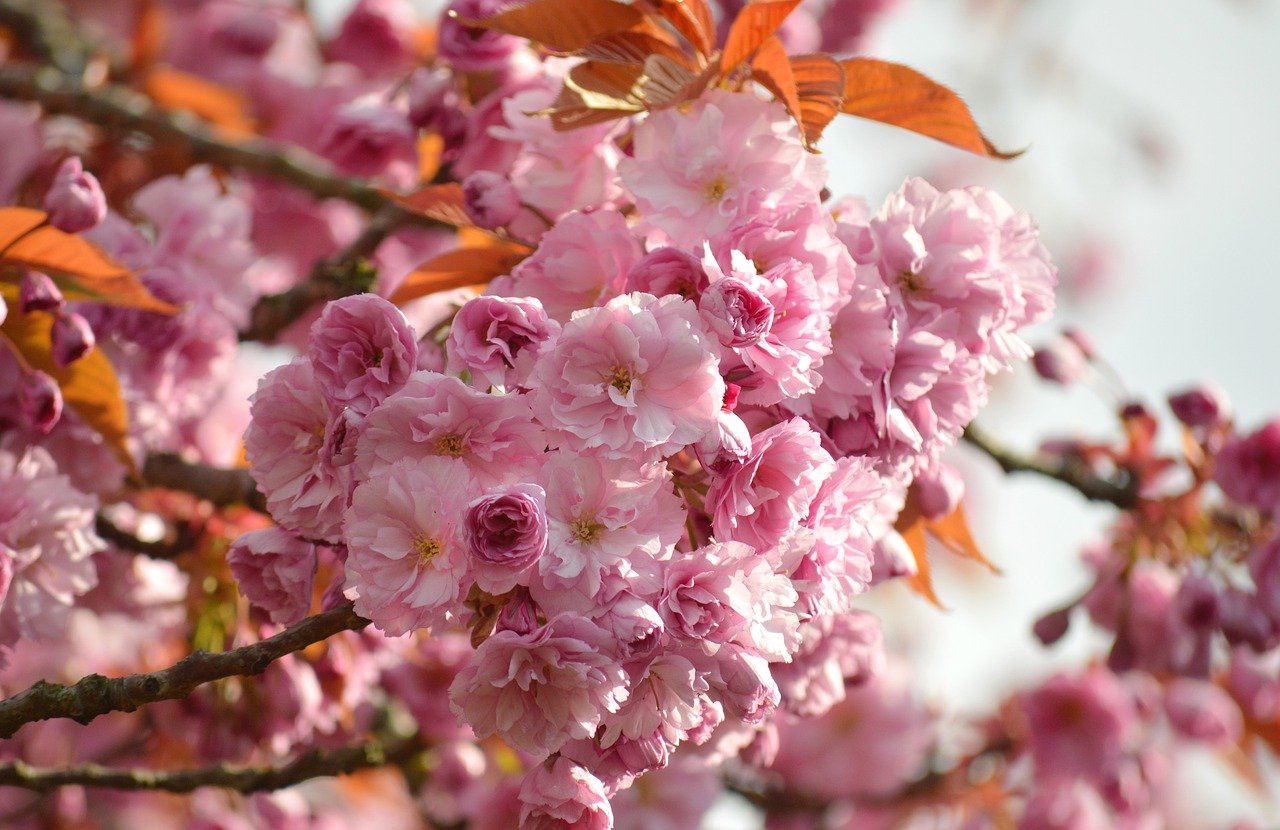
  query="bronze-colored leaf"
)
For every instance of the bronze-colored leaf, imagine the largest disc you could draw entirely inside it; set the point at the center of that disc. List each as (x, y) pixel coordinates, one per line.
(442, 202)
(148, 37)
(693, 20)
(632, 48)
(953, 532)
(922, 580)
(226, 108)
(756, 23)
(461, 267)
(89, 385)
(561, 25)
(771, 68)
(595, 92)
(668, 84)
(819, 81)
(898, 95)
(82, 270)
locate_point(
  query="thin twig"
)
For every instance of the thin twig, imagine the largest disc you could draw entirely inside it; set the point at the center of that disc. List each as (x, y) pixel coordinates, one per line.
(222, 487)
(244, 779)
(165, 549)
(1069, 472)
(96, 695)
(115, 107)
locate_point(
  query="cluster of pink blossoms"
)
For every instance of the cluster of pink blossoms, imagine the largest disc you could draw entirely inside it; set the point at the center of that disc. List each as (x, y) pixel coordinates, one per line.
(650, 468)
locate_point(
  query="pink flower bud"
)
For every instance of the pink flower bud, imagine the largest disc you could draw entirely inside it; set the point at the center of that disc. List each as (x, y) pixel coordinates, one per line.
(368, 138)
(375, 36)
(40, 401)
(72, 338)
(1082, 341)
(75, 201)
(939, 490)
(37, 292)
(739, 315)
(432, 97)
(1059, 362)
(668, 271)
(1053, 626)
(1248, 468)
(507, 533)
(490, 199)
(1200, 711)
(474, 50)
(1204, 405)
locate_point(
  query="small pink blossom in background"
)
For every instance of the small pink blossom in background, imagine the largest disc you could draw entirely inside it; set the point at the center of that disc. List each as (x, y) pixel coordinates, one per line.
(275, 571)
(562, 794)
(376, 36)
(1248, 467)
(731, 156)
(406, 555)
(305, 492)
(75, 201)
(1081, 724)
(539, 690)
(369, 138)
(1203, 405)
(362, 350)
(1201, 711)
(633, 376)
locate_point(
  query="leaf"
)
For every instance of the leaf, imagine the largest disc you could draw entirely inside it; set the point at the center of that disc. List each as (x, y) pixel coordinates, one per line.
(89, 385)
(771, 68)
(632, 48)
(819, 83)
(461, 267)
(595, 92)
(172, 89)
(898, 95)
(442, 202)
(668, 84)
(561, 25)
(953, 532)
(87, 273)
(693, 20)
(922, 580)
(148, 37)
(756, 23)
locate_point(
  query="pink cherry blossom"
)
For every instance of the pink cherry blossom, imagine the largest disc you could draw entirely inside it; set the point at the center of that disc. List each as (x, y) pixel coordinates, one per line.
(275, 571)
(362, 350)
(563, 795)
(497, 339)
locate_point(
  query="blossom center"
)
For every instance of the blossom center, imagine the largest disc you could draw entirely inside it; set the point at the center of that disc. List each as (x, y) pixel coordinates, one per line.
(427, 549)
(586, 531)
(715, 189)
(451, 445)
(910, 282)
(621, 379)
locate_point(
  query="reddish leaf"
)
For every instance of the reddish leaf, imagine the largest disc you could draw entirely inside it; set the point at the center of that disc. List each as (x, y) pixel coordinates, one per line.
(89, 385)
(594, 92)
(442, 202)
(632, 48)
(953, 532)
(693, 20)
(225, 108)
(85, 272)
(562, 25)
(668, 84)
(756, 23)
(922, 580)
(898, 95)
(771, 68)
(459, 268)
(148, 37)
(819, 81)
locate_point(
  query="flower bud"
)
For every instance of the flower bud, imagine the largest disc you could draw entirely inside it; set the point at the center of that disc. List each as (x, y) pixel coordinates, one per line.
(368, 138)
(1081, 341)
(37, 292)
(1204, 405)
(71, 339)
(374, 36)
(667, 271)
(939, 491)
(490, 199)
(507, 533)
(1248, 468)
(75, 201)
(1060, 362)
(1200, 711)
(738, 314)
(728, 444)
(1053, 626)
(40, 401)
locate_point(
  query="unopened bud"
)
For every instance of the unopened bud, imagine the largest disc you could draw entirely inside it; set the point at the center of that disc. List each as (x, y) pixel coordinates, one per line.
(490, 200)
(939, 491)
(1204, 405)
(72, 338)
(75, 201)
(40, 401)
(37, 292)
(1059, 362)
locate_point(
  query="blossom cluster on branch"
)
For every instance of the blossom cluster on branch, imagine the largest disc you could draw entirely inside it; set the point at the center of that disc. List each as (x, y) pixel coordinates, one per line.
(587, 418)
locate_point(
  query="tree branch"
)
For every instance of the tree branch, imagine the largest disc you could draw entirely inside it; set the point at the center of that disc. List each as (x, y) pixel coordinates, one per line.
(96, 695)
(244, 779)
(1067, 471)
(116, 107)
(221, 486)
(44, 30)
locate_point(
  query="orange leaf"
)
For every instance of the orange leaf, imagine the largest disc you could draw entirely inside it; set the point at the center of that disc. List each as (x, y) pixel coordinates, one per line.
(922, 580)
(819, 83)
(459, 268)
(632, 47)
(561, 25)
(771, 68)
(430, 155)
(898, 95)
(594, 92)
(666, 83)
(755, 24)
(148, 37)
(89, 386)
(693, 20)
(953, 532)
(442, 202)
(172, 89)
(86, 272)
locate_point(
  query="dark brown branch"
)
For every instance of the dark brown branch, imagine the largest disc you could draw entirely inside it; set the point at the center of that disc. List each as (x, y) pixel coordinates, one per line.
(159, 549)
(118, 108)
(96, 695)
(220, 486)
(1067, 471)
(244, 779)
(347, 272)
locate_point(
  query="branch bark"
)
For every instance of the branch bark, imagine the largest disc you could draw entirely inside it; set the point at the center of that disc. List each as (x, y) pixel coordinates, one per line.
(244, 779)
(96, 695)
(1077, 476)
(114, 107)
(220, 486)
